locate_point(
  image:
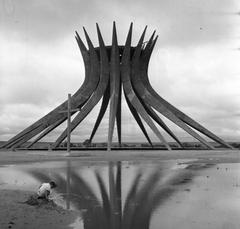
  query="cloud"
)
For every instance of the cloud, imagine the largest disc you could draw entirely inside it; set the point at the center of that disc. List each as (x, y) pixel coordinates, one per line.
(202, 82)
(44, 19)
(194, 65)
(34, 75)
(177, 22)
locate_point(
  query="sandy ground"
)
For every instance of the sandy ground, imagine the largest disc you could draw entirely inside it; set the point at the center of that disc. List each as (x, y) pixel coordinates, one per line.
(14, 214)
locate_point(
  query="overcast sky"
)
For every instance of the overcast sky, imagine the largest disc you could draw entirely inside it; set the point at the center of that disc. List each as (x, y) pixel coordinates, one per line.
(195, 64)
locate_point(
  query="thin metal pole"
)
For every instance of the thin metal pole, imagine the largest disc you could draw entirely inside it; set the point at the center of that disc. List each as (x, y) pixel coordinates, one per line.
(69, 124)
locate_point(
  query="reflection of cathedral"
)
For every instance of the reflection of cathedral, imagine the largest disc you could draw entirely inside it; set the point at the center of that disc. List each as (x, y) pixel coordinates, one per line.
(109, 70)
(103, 206)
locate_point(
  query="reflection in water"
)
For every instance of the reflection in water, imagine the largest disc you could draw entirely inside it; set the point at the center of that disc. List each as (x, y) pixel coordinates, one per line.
(107, 209)
(68, 184)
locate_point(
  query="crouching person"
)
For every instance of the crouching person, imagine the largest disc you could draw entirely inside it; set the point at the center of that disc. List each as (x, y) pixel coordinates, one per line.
(45, 190)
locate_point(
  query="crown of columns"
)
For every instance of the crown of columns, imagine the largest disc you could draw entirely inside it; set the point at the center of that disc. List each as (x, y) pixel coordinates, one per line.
(109, 70)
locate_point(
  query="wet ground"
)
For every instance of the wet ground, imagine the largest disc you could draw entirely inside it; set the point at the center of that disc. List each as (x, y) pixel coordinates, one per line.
(168, 194)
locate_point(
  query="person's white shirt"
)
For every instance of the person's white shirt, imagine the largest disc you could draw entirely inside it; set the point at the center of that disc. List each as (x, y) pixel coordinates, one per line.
(43, 189)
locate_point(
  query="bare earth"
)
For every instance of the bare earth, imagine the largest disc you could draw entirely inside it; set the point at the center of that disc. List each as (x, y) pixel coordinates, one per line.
(217, 156)
(15, 214)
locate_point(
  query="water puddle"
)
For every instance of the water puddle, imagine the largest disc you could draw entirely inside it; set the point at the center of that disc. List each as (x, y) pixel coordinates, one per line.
(143, 194)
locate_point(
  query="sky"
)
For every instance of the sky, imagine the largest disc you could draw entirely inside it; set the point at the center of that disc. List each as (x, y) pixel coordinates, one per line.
(194, 66)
